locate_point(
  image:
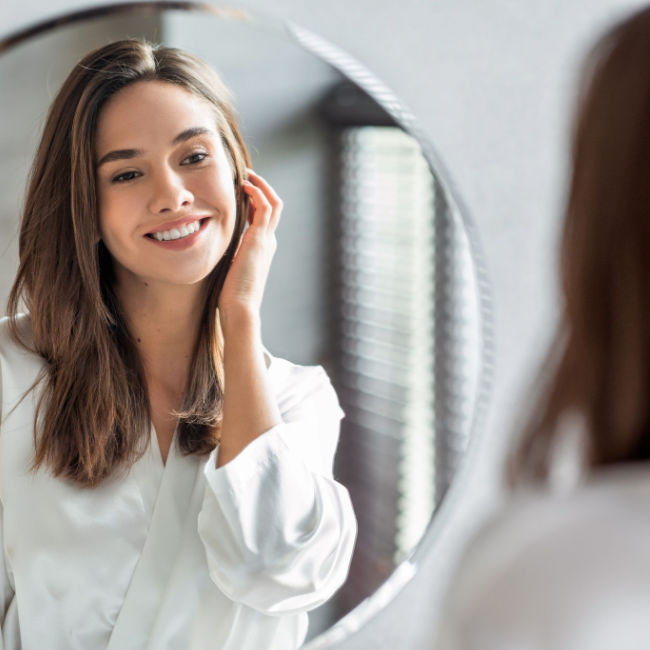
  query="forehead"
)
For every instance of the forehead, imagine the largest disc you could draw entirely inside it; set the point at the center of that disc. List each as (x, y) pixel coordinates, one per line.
(150, 111)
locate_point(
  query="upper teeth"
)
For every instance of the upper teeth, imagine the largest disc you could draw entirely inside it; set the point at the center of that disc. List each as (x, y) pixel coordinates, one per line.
(177, 233)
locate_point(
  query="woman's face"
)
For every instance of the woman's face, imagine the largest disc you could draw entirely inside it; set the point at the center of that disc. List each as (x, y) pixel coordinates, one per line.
(165, 186)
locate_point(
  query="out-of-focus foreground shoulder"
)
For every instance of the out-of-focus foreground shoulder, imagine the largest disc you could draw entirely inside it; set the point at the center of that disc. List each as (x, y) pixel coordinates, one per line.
(557, 571)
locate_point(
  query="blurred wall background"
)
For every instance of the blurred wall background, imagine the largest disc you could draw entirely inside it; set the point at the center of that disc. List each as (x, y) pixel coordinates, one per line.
(492, 83)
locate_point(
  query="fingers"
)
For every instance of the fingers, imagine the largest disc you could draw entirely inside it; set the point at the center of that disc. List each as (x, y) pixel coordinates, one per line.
(266, 204)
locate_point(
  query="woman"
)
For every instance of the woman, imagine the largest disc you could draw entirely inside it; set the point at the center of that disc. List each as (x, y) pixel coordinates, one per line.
(165, 483)
(571, 569)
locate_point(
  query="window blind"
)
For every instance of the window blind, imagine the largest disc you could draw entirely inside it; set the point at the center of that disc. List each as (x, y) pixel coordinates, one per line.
(384, 347)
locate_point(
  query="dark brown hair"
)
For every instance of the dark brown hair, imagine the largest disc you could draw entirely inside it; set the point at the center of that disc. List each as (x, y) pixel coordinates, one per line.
(93, 413)
(599, 367)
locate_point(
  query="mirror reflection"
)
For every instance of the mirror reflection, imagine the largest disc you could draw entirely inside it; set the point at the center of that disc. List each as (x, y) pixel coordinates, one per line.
(373, 278)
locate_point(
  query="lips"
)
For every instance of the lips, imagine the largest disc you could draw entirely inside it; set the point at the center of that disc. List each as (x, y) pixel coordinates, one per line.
(182, 234)
(174, 230)
(177, 233)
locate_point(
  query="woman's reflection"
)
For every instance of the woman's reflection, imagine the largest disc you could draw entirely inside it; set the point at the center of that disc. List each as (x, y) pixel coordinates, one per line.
(177, 490)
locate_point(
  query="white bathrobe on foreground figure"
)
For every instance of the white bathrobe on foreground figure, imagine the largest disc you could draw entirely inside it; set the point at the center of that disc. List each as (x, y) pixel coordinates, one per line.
(181, 556)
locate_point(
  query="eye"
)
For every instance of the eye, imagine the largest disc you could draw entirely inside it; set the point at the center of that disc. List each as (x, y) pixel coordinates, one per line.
(195, 158)
(125, 177)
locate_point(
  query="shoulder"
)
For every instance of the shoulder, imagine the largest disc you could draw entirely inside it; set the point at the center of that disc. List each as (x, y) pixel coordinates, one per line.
(19, 363)
(295, 385)
(9, 345)
(560, 558)
(310, 411)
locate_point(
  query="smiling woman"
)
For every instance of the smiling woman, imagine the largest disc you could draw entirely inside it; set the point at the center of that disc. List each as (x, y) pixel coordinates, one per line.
(179, 478)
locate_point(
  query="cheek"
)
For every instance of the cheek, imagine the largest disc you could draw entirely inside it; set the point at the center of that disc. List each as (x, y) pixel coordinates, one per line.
(108, 221)
(114, 226)
(117, 211)
(220, 184)
(218, 190)
(107, 207)
(104, 220)
(101, 212)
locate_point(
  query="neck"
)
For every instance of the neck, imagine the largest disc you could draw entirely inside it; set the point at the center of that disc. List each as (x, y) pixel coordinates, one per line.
(164, 323)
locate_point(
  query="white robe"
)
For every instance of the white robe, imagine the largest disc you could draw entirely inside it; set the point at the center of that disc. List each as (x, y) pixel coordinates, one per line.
(181, 556)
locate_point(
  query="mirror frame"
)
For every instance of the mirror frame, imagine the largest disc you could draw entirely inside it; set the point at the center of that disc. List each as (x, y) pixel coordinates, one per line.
(368, 610)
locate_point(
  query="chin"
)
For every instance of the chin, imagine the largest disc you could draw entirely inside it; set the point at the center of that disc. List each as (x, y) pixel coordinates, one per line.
(177, 279)
(187, 274)
(188, 280)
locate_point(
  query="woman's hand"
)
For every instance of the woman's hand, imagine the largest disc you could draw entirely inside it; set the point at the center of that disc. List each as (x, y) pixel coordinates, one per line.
(249, 405)
(243, 288)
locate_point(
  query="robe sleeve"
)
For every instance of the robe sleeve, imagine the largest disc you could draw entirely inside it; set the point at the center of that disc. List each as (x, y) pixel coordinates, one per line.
(278, 530)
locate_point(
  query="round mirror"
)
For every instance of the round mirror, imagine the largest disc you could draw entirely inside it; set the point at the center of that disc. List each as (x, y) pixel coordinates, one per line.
(376, 276)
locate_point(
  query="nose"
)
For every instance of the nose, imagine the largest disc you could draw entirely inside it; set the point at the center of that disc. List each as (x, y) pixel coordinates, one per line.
(169, 193)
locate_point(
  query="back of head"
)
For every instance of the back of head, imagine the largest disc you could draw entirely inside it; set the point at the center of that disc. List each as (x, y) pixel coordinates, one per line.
(600, 365)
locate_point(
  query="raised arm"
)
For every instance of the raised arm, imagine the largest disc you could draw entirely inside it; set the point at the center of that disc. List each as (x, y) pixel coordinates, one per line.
(278, 530)
(249, 407)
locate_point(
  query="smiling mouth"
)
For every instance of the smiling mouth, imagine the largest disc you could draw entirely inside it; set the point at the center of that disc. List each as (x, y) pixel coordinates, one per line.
(177, 233)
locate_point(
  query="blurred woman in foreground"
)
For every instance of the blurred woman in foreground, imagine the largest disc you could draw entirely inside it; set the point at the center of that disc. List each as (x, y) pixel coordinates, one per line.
(571, 568)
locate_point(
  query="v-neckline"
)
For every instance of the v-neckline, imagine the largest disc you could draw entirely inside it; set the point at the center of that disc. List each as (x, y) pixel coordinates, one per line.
(155, 443)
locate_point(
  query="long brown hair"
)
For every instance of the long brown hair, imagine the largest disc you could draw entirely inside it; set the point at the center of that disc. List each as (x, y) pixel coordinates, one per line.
(93, 413)
(599, 368)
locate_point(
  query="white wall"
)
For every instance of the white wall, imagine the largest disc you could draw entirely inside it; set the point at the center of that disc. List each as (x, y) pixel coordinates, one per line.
(491, 83)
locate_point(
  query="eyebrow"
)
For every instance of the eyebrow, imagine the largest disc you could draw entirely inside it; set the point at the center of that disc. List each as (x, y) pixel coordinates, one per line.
(127, 154)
